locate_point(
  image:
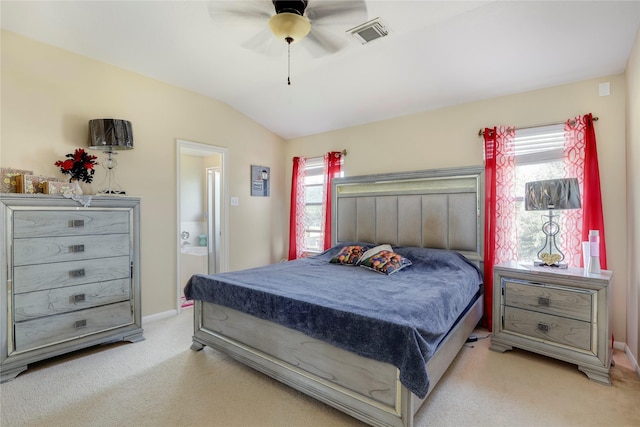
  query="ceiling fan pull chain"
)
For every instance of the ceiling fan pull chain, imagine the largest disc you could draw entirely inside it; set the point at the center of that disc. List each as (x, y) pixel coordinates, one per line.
(289, 40)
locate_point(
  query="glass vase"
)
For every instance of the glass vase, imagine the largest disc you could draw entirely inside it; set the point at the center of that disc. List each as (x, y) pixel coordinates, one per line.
(75, 186)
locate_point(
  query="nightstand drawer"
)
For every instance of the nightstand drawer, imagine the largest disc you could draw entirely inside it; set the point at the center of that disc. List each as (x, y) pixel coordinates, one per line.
(71, 248)
(560, 330)
(54, 329)
(40, 223)
(33, 305)
(570, 303)
(29, 278)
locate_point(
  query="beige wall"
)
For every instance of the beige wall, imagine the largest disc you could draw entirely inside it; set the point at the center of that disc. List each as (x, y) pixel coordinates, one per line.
(633, 201)
(49, 95)
(449, 137)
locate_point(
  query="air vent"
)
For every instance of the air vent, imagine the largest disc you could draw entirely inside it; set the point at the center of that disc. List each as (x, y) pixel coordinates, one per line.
(369, 31)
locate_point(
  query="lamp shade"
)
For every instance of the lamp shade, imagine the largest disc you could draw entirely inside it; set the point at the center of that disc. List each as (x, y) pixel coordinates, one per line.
(552, 194)
(110, 134)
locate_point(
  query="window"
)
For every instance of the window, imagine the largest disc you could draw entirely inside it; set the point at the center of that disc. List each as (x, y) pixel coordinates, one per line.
(539, 156)
(313, 201)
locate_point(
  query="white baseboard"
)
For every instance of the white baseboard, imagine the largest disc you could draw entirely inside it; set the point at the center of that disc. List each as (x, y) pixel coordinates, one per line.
(158, 316)
(627, 351)
(634, 362)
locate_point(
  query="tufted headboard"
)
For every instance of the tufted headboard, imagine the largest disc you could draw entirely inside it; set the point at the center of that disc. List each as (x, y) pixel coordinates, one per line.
(440, 208)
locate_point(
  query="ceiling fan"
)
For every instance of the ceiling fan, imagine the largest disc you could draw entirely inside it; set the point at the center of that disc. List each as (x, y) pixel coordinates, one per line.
(318, 25)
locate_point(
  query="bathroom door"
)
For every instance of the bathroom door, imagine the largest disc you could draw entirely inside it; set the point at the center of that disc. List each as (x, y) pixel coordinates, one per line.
(213, 218)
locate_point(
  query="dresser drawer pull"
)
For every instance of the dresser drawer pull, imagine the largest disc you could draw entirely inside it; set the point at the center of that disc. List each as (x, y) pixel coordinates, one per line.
(76, 223)
(543, 301)
(77, 273)
(76, 248)
(80, 324)
(544, 327)
(78, 298)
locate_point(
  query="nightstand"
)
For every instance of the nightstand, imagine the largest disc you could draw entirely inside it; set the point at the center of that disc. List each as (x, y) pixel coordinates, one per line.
(560, 313)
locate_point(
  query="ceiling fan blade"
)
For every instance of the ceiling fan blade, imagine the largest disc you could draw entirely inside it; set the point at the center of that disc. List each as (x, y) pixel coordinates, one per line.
(240, 12)
(320, 42)
(345, 12)
(241, 20)
(265, 43)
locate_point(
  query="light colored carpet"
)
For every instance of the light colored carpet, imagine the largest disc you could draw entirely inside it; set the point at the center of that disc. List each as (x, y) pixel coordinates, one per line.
(161, 382)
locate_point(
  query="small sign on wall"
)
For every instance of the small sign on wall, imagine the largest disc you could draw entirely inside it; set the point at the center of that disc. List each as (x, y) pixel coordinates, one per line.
(260, 179)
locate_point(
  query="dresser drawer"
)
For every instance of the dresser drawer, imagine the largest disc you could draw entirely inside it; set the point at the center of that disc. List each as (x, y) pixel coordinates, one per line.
(71, 248)
(54, 329)
(556, 329)
(29, 278)
(40, 223)
(71, 298)
(571, 303)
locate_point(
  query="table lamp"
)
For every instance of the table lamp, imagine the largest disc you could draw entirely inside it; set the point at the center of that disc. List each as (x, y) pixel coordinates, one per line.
(551, 195)
(110, 135)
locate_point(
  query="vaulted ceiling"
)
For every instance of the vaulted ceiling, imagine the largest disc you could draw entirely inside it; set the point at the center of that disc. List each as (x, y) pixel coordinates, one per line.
(437, 53)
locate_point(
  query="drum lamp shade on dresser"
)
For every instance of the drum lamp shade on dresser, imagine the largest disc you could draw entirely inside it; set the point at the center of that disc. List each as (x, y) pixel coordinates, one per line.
(110, 135)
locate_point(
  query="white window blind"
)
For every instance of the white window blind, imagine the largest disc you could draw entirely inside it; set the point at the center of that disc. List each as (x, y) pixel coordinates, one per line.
(314, 166)
(539, 144)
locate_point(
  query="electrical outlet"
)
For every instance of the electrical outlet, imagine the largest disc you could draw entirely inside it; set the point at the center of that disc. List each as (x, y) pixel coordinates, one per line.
(235, 201)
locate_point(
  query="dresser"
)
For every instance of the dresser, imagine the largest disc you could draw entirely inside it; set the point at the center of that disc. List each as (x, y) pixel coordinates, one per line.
(560, 313)
(70, 276)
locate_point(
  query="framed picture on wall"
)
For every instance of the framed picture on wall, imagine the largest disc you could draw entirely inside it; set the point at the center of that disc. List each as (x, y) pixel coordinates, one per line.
(260, 179)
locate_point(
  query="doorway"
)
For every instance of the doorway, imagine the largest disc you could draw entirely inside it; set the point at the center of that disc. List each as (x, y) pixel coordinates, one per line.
(202, 244)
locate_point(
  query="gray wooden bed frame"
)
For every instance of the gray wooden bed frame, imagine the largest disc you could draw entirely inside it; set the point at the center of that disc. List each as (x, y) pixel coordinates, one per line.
(435, 208)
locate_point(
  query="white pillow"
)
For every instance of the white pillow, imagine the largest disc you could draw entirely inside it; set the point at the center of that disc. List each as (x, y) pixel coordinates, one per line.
(374, 251)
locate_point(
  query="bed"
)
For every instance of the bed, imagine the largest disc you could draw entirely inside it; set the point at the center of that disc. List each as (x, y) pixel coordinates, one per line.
(378, 369)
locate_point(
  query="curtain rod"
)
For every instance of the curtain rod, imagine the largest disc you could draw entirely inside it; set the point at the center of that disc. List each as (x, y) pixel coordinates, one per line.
(344, 152)
(572, 121)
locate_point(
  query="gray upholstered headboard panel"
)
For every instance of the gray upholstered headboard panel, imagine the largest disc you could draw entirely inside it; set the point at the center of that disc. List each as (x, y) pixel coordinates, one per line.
(440, 208)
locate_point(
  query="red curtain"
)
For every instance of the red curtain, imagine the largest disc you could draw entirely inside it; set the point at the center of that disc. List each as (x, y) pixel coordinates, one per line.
(500, 240)
(332, 169)
(296, 217)
(581, 161)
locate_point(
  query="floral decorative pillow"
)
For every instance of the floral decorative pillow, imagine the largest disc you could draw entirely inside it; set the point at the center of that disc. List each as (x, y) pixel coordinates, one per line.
(349, 255)
(386, 262)
(374, 250)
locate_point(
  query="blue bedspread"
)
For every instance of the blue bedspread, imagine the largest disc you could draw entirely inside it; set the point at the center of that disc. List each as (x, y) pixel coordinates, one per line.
(398, 319)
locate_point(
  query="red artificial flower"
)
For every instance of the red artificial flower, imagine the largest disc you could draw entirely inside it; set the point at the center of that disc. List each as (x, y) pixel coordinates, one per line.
(79, 165)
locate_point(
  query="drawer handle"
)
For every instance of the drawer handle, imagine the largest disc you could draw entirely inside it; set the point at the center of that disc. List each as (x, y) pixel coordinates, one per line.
(544, 327)
(76, 248)
(80, 324)
(543, 301)
(76, 223)
(77, 273)
(78, 298)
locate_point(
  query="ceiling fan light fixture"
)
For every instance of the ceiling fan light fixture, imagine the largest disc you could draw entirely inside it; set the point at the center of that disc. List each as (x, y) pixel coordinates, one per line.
(287, 26)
